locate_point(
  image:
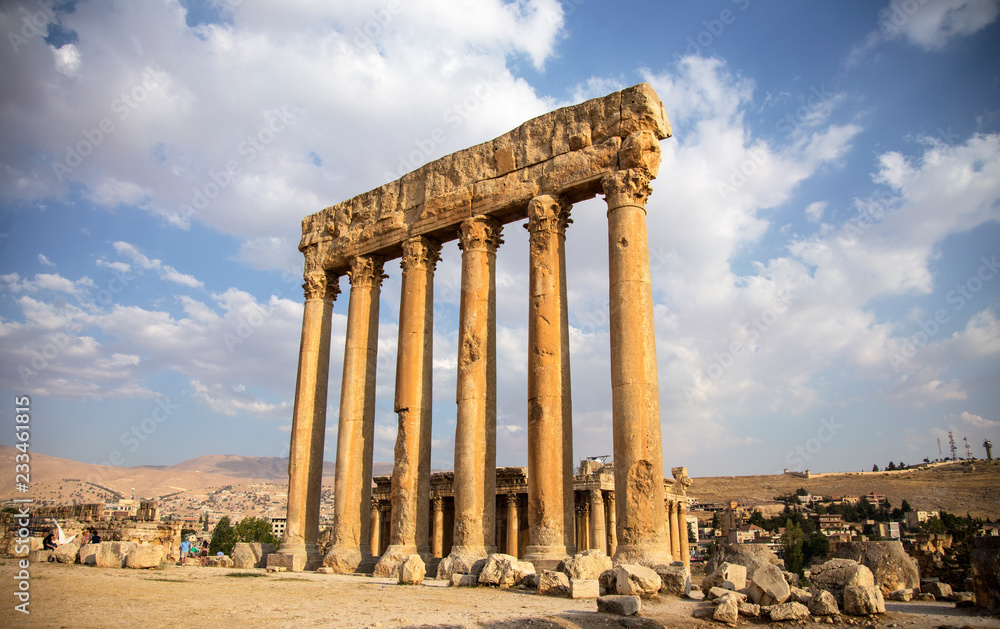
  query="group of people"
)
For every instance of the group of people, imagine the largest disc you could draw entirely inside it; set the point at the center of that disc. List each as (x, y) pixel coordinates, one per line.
(190, 549)
(55, 538)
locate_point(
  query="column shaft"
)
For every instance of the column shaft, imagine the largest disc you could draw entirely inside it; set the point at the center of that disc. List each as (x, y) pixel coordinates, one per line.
(437, 541)
(475, 431)
(675, 544)
(635, 391)
(512, 525)
(355, 435)
(682, 525)
(305, 458)
(597, 536)
(411, 472)
(612, 528)
(376, 528)
(550, 434)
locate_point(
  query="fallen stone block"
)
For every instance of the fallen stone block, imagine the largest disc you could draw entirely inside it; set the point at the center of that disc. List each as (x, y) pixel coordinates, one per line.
(863, 600)
(584, 588)
(735, 574)
(633, 579)
(620, 605)
(823, 604)
(464, 580)
(674, 579)
(789, 611)
(144, 557)
(769, 587)
(938, 589)
(552, 583)
(904, 595)
(113, 554)
(504, 571)
(66, 553)
(728, 611)
(413, 571)
(587, 565)
(749, 610)
(924, 597)
(959, 597)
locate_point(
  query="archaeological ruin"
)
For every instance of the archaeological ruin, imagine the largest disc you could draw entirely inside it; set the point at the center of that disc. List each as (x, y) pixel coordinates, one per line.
(608, 146)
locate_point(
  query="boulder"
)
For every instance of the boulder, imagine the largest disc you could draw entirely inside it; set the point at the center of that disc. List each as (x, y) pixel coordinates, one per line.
(800, 596)
(144, 556)
(892, 567)
(587, 565)
(924, 597)
(584, 588)
(39, 556)
(413, 571)
(938, 589)
(749, 610)
(903, 596)
(836, 574)
(66, 553)
(219, 561)
(675, 579)
(717, 593)
(464, 580)
(636, 580)
(621, 605)
(962, 597)
(504, 570)
(88, 554)
(752, 556)
(789, 611)
(112, 554)
(769, 587)
(863, 600)
(792, 579)
(727, 611)
(823, 604)
(553, 583)
(608, 580)
(735, 574)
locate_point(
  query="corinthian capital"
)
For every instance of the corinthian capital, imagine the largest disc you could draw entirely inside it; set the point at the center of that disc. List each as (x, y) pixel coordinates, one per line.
(320, 285)
(480, 232)
(366, 271)
(420, 252)
(626, 187)
(548, 213)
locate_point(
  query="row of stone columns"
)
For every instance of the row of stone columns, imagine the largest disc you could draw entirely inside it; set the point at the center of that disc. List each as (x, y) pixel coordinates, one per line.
(641, 534)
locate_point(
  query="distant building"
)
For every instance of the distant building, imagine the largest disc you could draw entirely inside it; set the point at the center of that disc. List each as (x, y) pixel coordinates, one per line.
(913, 519)
(888, 530)
(278, 527)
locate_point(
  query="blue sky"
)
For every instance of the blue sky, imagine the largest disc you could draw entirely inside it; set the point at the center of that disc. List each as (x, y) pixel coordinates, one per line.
(824, 229)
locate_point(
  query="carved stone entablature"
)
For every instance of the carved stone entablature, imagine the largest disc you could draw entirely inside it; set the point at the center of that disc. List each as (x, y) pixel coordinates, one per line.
(566, 152)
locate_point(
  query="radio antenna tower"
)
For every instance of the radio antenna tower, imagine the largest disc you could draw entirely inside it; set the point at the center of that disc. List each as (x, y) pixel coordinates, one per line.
(989, 449)
(951, 442)
(940, 454)
(968, 448)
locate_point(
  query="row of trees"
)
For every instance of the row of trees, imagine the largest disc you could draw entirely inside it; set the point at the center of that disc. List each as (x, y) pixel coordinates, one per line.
(253, 529)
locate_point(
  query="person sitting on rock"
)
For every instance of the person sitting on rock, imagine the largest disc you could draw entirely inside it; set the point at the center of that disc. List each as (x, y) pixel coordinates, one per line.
(49, 541)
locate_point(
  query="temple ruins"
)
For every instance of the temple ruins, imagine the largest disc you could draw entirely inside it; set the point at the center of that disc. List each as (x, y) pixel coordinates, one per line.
(608, 146)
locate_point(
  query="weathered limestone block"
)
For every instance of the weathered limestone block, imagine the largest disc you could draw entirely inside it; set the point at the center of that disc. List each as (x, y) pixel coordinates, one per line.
(620, 605)
(633, 579)
(903, 596)
(251, 555)
(769, 586)
(716, 594)
(587, 565)
(863, 600)
(39, 556)
(412, 571)
(800, 596)
(88, 554)
(892, 568)
(985, 560)
(823, 604)
(675, 579)
(552, 583)
(584, 588)
(728, 611)
(113, 554)
(753, 556)
(792, 579)
(144, 556)
(836, 574)
(504, 571)
(749, 610)
(66, 553)
(608, 580)
(464, 580)
(789, 611)
(219, 561)
(735, 574)
(938, 589)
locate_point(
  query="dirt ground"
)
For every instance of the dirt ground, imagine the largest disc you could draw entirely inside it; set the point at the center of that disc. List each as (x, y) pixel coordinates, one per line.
(75, 596)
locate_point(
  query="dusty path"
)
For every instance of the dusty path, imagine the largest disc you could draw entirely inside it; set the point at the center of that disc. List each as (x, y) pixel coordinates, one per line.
(86, 597)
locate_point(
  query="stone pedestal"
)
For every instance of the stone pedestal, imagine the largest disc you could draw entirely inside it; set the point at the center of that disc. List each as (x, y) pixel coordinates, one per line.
(351, 550)
(475, 432)
(550, 435)
(411, 472)
(638, 452)
(305, 459)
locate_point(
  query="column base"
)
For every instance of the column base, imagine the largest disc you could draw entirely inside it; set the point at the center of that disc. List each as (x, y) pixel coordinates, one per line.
(463, 560)
(547, 557)
(643, 554)
(391, 562)
(295, 558)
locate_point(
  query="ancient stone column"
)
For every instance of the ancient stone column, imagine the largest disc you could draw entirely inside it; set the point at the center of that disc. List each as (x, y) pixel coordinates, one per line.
(437, 540)
(475, 432)
(597, 536)
(638, 452)
(305, 458)
(583, 527)
(355, 435)
(376, 528)
(550, 433)
(612, 529)
(682, 525)
(411, 472)
(675, 544)
(512, 525)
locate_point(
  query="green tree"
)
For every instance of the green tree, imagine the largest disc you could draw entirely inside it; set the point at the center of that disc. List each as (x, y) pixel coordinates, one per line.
(801, 491)
(757, 518)
(716, 520)
(255, 530)
(891, 466)
(792, 542)
(875, 467)
(905, 507)
(223, 537)
(815, 546)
